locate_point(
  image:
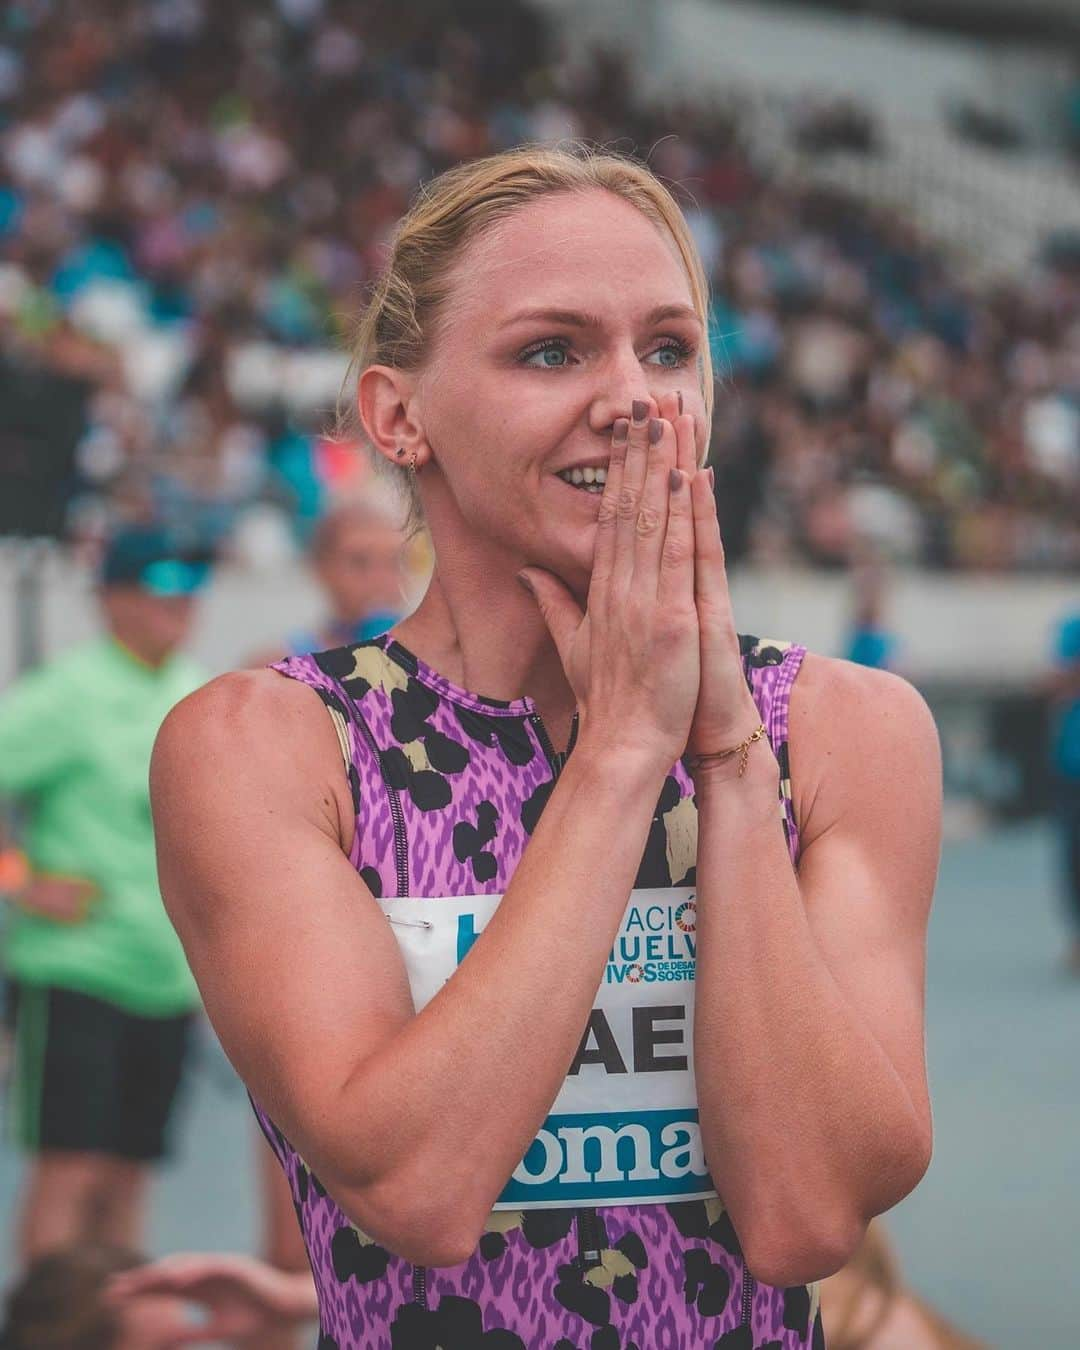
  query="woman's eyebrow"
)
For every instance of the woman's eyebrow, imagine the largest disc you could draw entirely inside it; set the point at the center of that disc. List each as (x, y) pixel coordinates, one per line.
(573, 318)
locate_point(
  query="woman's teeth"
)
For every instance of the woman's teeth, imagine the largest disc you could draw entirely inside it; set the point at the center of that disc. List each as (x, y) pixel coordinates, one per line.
(592, 480)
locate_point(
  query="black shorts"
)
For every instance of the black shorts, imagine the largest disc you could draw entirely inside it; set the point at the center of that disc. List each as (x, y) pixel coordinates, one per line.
(89, 1077)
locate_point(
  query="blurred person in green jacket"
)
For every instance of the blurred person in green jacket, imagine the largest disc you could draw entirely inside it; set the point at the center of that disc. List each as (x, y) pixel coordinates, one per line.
(100, 999)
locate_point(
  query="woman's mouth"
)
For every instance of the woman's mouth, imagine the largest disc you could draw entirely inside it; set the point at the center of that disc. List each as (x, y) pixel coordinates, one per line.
(588, 478)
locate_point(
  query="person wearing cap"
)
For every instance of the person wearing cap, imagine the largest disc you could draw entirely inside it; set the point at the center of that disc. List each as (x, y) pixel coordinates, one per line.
(100, 996)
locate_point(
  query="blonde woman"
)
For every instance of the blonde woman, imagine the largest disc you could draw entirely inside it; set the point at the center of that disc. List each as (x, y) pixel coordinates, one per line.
(570, 944)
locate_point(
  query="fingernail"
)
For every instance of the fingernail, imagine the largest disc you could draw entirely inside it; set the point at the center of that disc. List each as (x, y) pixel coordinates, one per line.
(675, 480)
(620, 431)
(656, 430)
(680, 402)
(526, 583)
(640, 411)
(712, 476)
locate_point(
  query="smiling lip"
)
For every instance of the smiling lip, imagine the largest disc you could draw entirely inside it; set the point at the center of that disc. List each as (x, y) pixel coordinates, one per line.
(583, 464)
(584, 493)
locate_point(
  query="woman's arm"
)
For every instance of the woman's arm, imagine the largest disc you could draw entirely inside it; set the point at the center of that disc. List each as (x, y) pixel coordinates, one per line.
(415, 1122)
(808, 1042)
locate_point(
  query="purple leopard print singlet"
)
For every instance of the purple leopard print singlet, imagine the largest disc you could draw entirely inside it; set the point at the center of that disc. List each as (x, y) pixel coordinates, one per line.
(448, 787)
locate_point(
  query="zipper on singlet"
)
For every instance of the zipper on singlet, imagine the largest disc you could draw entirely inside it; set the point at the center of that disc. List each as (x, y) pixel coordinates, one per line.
(419, 1285)
(747, 1296)
(401, 844)
(556, 758)
(588, 1232)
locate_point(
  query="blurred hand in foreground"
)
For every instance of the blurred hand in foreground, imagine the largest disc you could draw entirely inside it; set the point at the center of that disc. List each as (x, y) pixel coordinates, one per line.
(241, 1298)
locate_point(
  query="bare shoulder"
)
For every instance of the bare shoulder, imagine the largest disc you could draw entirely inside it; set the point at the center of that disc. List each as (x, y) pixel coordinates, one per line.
(255, 734)
(830, 687)
(854, 729)
(235, 716)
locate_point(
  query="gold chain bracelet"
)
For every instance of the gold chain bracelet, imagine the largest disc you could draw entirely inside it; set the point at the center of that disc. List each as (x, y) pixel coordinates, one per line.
(719, 756)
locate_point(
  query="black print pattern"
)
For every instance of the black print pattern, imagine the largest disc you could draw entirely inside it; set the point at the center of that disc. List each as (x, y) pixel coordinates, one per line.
(508, 733)
(356, 1258)
(471, 785)
(470, 842)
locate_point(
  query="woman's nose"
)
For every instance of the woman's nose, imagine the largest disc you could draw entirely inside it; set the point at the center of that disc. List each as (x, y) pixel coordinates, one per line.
(620, 384)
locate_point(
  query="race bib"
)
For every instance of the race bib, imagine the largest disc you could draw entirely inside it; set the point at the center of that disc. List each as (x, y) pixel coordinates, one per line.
(624, 1127)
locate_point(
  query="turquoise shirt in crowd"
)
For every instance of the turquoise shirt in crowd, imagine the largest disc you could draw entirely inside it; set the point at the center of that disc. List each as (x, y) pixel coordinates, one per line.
(1065, 730)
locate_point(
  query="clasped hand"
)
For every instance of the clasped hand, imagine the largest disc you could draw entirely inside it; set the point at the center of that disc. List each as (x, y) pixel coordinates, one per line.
(653, 659)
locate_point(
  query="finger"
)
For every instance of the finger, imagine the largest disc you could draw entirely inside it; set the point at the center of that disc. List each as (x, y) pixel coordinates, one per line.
(57, 906)
(179, 1273)
(675, 586)
(673, 408)
(604, 550)
(151, 1282)
(633, 481)
(558, 608)
(687, 446)
(710, 572)
(70, 884)
(651, 525)
(118, 1288)
(669, 406)
(686, 440)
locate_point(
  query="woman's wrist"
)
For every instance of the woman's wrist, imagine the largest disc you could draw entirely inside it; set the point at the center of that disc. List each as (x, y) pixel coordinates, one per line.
(624, 759)
(723, 775)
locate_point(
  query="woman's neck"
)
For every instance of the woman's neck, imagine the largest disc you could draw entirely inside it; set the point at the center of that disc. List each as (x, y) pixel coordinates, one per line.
(483, 631)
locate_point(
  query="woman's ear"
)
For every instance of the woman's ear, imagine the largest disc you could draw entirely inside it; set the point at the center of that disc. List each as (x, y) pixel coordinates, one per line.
(387, 407)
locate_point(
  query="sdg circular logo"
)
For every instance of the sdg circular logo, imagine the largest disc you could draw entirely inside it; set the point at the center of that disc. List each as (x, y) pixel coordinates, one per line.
(634, 974)
(686, 917)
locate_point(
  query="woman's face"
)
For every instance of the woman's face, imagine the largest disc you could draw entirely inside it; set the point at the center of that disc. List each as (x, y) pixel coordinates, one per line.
(361, 570)
(558, 320)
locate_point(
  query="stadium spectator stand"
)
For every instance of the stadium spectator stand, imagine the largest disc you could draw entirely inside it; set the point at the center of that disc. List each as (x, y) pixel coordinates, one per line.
(193, 195)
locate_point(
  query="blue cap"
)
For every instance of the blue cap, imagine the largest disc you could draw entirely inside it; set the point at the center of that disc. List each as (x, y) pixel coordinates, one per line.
(148, 557)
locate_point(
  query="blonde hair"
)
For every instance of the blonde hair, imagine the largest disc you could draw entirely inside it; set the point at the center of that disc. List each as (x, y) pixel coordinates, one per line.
(408, 299)
(875, 1270)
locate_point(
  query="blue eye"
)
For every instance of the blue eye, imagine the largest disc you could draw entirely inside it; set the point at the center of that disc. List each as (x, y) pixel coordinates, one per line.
(679, 353)
(554, 355)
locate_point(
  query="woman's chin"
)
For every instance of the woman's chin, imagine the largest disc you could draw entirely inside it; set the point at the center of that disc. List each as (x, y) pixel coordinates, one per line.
(574, 562)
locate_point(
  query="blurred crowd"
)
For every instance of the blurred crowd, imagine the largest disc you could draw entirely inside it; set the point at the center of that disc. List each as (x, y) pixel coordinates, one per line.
(194, 195)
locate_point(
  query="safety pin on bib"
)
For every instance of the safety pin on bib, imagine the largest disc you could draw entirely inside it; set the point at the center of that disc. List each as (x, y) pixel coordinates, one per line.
(411, 923)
